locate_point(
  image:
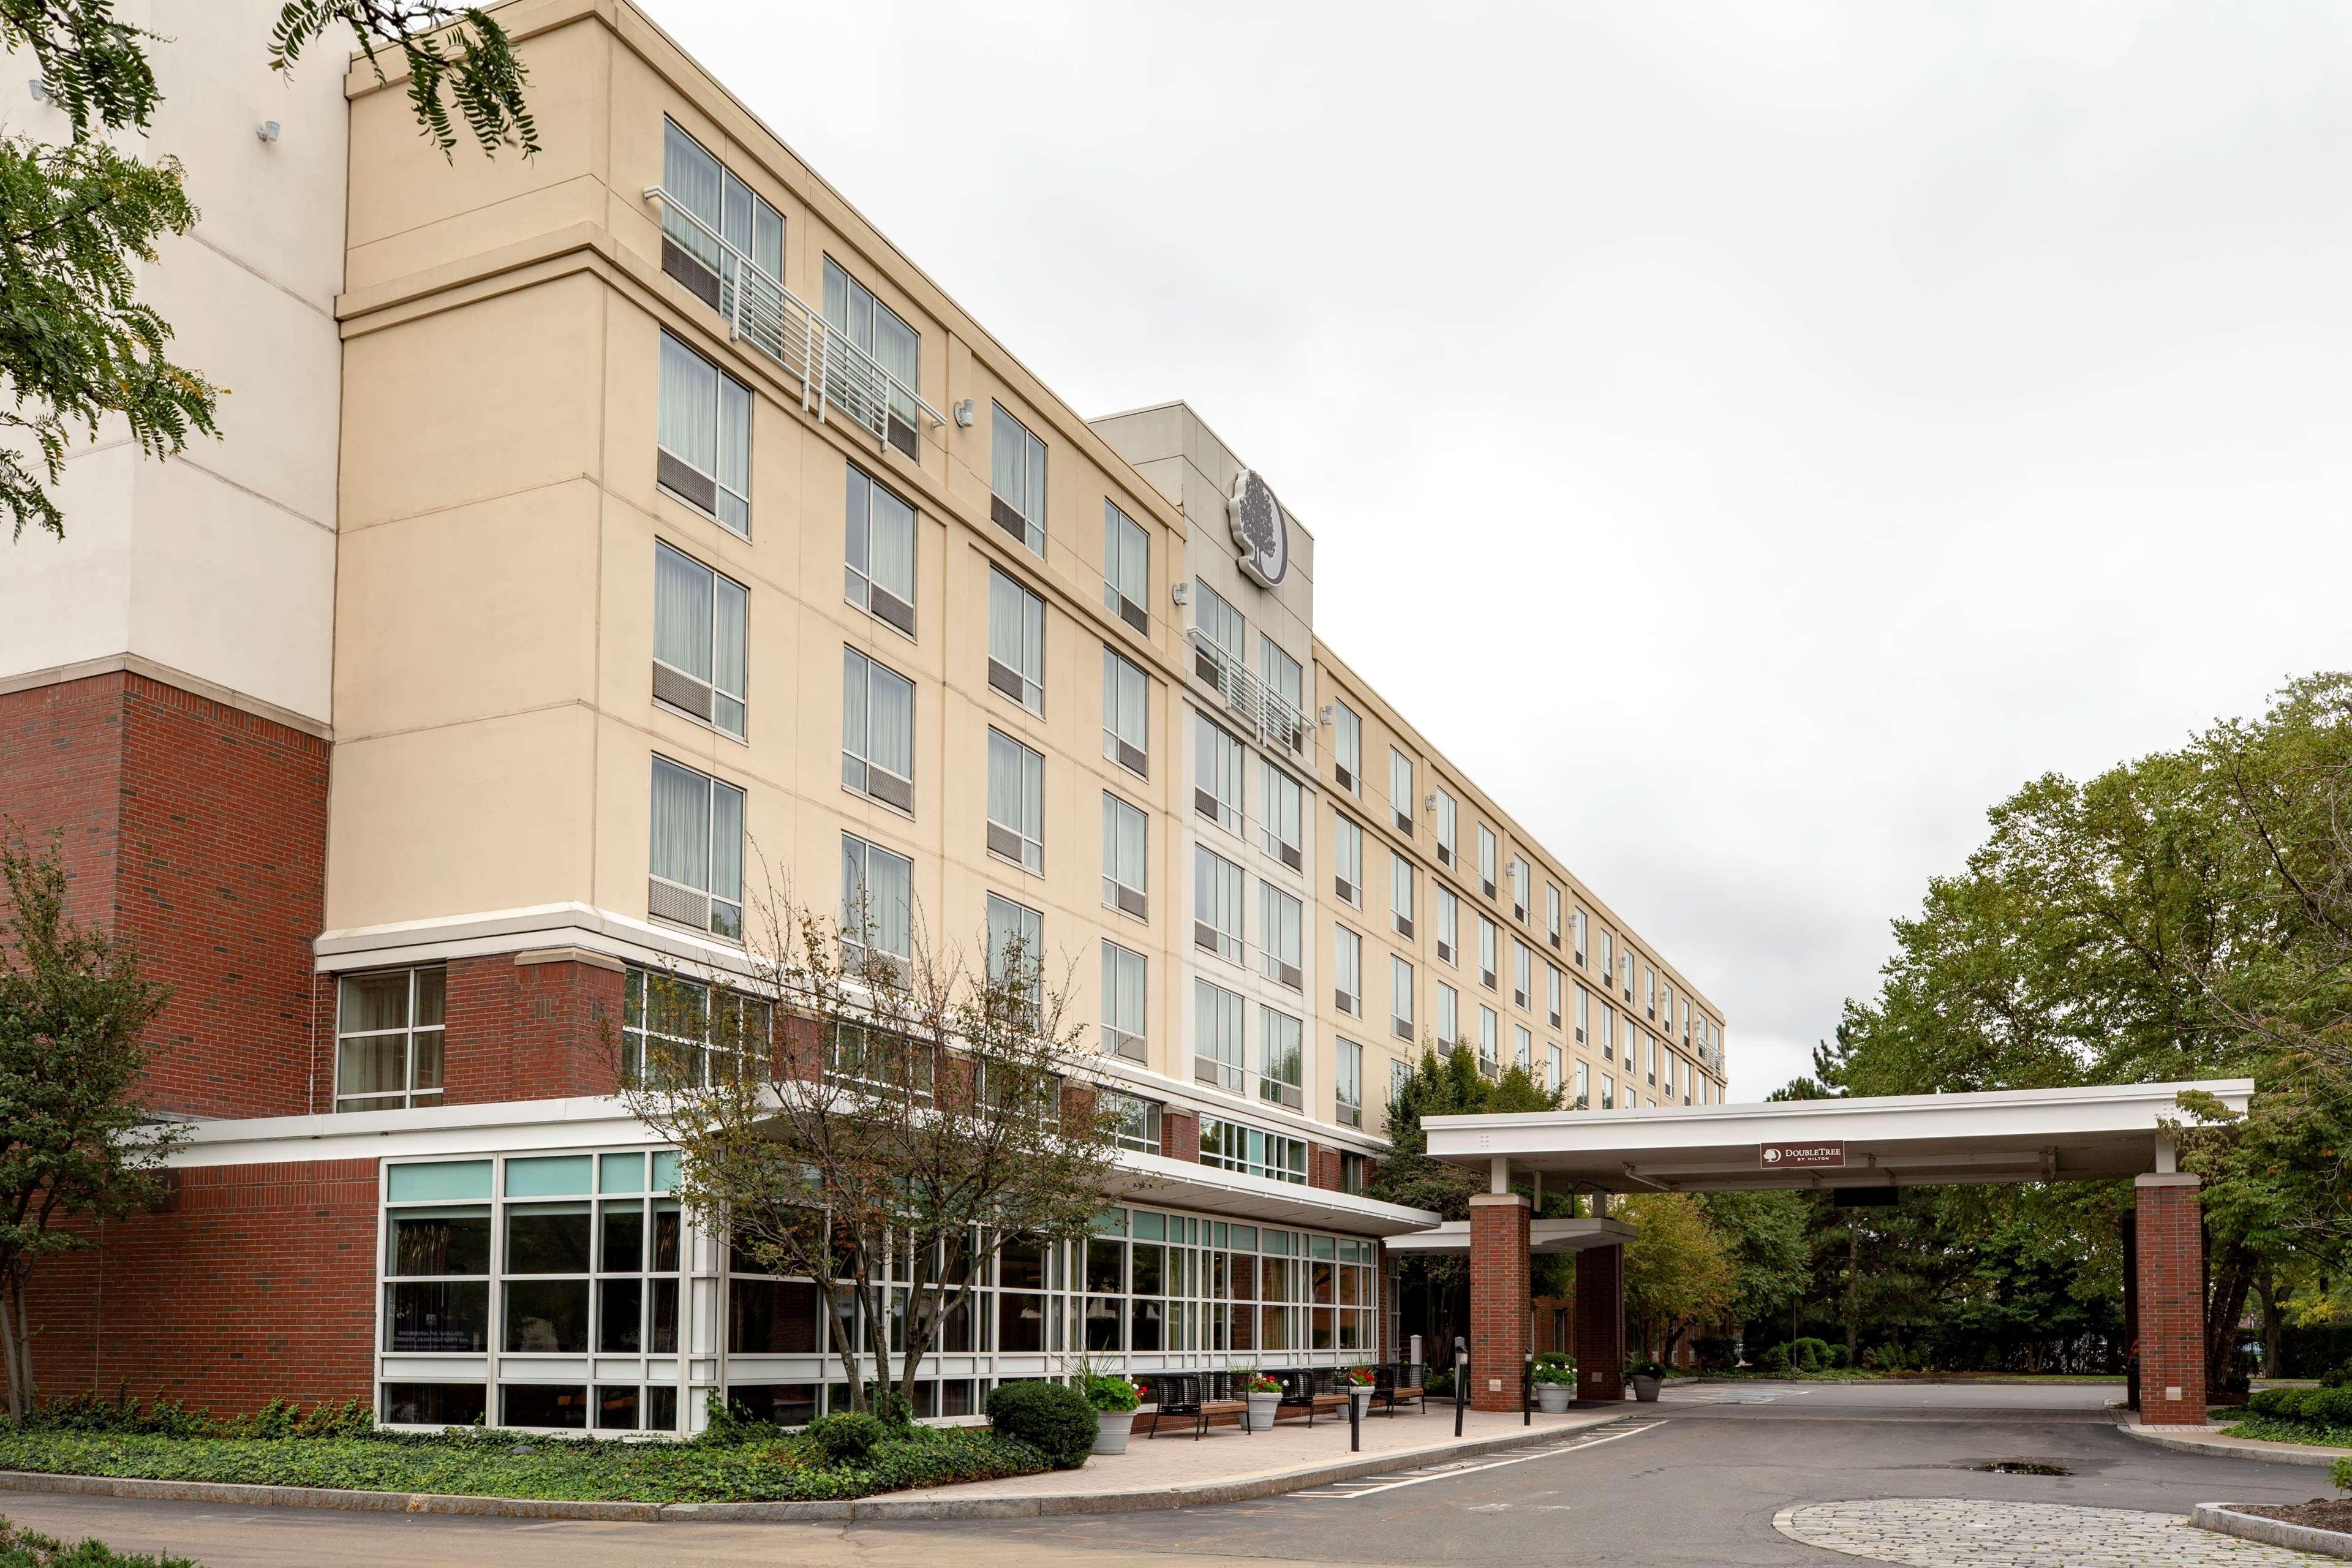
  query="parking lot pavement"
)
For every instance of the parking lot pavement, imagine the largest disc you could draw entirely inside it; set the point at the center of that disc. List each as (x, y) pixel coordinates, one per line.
(1697, 1478)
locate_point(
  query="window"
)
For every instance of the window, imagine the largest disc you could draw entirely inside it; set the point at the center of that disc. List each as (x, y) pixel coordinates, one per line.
(696, 851)
(1127, 723)
(877, 730)
(1123, 1007)
(1287, 684)
(700, 620)
(1518, 889)
(877, 900)
(700, 1035)
(1398, 1076)
(1123, 858)
(1667, 1072)
(1608, 1093)
(1279, 936)
(1627, 1038)
(1583, 1013)
(1449, 924)
(1487, 933)
(703, 436)
(1486, 860)
(1551, 1068)
(1401, 790)
(1216, 904)
(1490, 1040)
(1608, 1032)
(1282, 1059)
(1401, 893)
(388, 1039)
(1650, 992)
(1354, 1167)
(1448, 821)
(714, 227)
(1577, 922)
(1016, 641)
(1224, 629)
(1522, 974)
(1449, 1017)
(1016, 947)
(1282, 801)
(1348, 972)
(853, 312)
(1650, 1059)
(1583, 1087)
(1016, 803)
(1216, 1040)
(1551, 914)
(1524, 1055)
(1348, 749)
(1016, 481)
(880, 552)
(1553, 984)
(1216, 774)
(1135, 1120)
(1626, 971)
(1230, 1146)
(1348, 860)
(1349, 1085)
(1127, 568)
(1399, 998)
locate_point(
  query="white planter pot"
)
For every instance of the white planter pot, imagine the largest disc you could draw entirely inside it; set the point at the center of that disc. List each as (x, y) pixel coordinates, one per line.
(1552, 1398)
(1262, 1407)
(1646, 1389)
(1111, 1430)
(1363, 1398)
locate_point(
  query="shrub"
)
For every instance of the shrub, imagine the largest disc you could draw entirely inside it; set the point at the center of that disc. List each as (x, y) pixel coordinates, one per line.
(2336, 1376)
(848, 1437)
(1884, 1358)
(1555, 1369)
(1648, 1369)
(1110, 1395)
(1774, 1360)
(1051, 1417)
(1810, 1354)
(2339, 1475)
(1714, 1354)
(2312, 1406)
(25, 1550)
(1840, 1358)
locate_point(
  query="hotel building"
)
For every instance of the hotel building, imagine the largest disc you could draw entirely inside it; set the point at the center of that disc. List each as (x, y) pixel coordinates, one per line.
(597, 543)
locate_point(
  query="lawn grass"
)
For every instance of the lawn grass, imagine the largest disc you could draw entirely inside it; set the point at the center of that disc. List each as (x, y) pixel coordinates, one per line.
(477, 1463)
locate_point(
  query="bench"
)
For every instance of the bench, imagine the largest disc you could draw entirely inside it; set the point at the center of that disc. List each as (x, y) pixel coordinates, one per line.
(1391, 1390)
(1180, 1400)
(1319, 1403)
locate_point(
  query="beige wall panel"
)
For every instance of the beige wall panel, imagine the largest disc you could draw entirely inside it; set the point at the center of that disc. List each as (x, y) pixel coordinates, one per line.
(489, 815)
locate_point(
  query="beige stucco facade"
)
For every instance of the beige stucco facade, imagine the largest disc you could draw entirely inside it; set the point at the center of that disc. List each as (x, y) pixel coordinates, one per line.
(500, 507)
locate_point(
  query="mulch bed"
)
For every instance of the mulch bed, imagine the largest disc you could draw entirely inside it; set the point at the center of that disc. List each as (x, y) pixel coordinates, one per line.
(2319, 1514)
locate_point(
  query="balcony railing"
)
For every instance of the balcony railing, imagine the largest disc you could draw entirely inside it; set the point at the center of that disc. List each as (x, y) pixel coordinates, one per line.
(832, 371)
(1263, 712)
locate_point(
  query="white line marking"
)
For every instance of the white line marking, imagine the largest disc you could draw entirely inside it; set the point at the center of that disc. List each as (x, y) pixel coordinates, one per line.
(1414, 1481)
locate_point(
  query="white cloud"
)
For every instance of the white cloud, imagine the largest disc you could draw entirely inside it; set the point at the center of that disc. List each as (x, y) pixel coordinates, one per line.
(1752, 440)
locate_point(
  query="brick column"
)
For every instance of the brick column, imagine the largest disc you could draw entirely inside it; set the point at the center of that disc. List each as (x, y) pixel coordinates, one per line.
(1179, 1136)
(1600, 1323)
(1499, 1299)
(2171, 1301)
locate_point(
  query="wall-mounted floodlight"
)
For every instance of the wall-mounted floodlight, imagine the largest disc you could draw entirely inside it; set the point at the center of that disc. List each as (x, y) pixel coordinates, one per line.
(267, 131)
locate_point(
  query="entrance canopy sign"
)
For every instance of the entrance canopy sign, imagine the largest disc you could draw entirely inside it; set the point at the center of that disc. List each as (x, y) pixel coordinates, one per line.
(1801, 1156)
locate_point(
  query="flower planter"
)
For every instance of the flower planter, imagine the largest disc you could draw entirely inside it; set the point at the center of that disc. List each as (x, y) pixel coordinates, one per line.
(1111, 1430)
(1363, 1398)
(1262, 1407)
(1553, 1398)
(1646, 1389)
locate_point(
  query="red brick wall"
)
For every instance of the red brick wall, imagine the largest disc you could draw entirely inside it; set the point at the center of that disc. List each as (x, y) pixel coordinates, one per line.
(1499, 1299)
(260, 1285)
(200, 832)
(1323, 1167)
(530, 1031)
(1600, 1323)
(1179, 1135)
(2171, 1243)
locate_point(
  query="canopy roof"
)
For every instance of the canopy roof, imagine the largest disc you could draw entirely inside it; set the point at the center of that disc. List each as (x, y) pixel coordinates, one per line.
(1916, 1139)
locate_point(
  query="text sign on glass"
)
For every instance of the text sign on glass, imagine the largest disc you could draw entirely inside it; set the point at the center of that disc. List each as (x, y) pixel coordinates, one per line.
(1801, 1156)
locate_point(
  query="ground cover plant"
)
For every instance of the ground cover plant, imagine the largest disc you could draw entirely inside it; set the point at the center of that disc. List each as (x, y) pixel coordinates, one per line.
(738, 1459)
(2320, 1415)
(25, 1548)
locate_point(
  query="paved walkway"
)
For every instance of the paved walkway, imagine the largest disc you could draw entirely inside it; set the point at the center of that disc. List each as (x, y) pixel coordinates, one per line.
(1262, 1462)
(1967, 1533)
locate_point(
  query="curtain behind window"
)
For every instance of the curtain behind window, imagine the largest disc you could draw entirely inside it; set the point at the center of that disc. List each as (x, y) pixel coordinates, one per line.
(689, 427)
(682, 613)
(681, 828)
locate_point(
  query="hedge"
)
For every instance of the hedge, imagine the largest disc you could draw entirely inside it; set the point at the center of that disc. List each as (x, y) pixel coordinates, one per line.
(2311, 1407)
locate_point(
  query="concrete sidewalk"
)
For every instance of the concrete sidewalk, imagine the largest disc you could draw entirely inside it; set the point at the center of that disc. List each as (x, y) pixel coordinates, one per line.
(2213, 1438)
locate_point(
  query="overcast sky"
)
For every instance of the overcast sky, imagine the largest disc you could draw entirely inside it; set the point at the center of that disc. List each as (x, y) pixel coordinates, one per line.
(1751, 439)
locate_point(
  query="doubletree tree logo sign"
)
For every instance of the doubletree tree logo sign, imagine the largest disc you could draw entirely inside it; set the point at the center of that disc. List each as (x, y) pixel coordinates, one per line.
(1261, 530)
(1801, 1156)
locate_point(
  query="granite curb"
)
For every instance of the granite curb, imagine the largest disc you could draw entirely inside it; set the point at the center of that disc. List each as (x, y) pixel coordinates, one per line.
(1018, 1505)
(2215, 1445)
(2222, 1516)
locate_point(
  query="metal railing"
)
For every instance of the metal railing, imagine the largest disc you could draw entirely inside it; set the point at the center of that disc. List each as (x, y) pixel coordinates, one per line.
(832, 371)
(1265, 713)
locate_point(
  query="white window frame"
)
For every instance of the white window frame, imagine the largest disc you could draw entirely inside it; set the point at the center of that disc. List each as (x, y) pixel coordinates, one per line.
(1401, 798)
(1348, 749)
(877, 682)
(725, 906)
(1449, 826)
(1282, 806)
(1347, 860)
(1218, 883)
(1400, 997)
(1347, 970)
(1131, 898)
(866, 509)
(1014, 514)
(1218, 1060)
(1124, 686)
(1027, 848)
(1120, 1039)
(1282, 936)
(730, 706)
(1029, 675)
(1218, 757)
(862, 853)
(729, 456)
(412, 1094)
(1127, 563)
(1400, 895)
(1449, 926)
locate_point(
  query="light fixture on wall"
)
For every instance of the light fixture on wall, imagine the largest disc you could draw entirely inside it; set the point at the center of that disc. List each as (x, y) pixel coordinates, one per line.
(1181, 593)
(267, 131)
(963, 415)
(40, 89)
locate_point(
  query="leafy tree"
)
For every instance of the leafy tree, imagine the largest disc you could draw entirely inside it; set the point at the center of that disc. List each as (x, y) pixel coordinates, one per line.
(76, 1140)
(76, 345)
(840, 1117)
(1678, 1271)
(1768, 1239)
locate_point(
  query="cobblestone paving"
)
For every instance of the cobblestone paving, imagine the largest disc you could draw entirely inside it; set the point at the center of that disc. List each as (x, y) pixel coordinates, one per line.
(1956, 1532)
